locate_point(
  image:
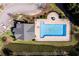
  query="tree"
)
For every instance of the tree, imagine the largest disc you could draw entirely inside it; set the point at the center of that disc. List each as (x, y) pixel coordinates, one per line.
(72, 11)
(7, 52)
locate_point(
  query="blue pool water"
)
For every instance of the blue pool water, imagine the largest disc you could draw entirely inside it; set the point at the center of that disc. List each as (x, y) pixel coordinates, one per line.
(52, 30)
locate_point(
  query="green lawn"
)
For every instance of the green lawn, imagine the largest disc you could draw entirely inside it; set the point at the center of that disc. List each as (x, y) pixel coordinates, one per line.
(8, 33)
(19, 47)
(0, 41)
(1, 45)
(33, 46)
(70, 43)
(55, 8)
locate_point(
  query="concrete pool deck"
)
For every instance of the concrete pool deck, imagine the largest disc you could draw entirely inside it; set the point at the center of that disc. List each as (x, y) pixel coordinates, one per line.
(50, 21)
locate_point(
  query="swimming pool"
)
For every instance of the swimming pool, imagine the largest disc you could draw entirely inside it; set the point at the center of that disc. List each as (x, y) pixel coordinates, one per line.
(52, 30)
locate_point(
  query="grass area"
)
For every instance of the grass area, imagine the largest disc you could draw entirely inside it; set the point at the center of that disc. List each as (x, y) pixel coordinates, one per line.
(8, 33)
(1, 45)
(55, 8)
(70, 43)
(18, 47)
(34, 46)
(0, 41)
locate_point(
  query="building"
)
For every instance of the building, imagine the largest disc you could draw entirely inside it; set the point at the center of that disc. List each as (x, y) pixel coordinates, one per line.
(23, 31)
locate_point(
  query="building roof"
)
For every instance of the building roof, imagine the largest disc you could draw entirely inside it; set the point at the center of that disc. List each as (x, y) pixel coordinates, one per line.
(24, 31)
